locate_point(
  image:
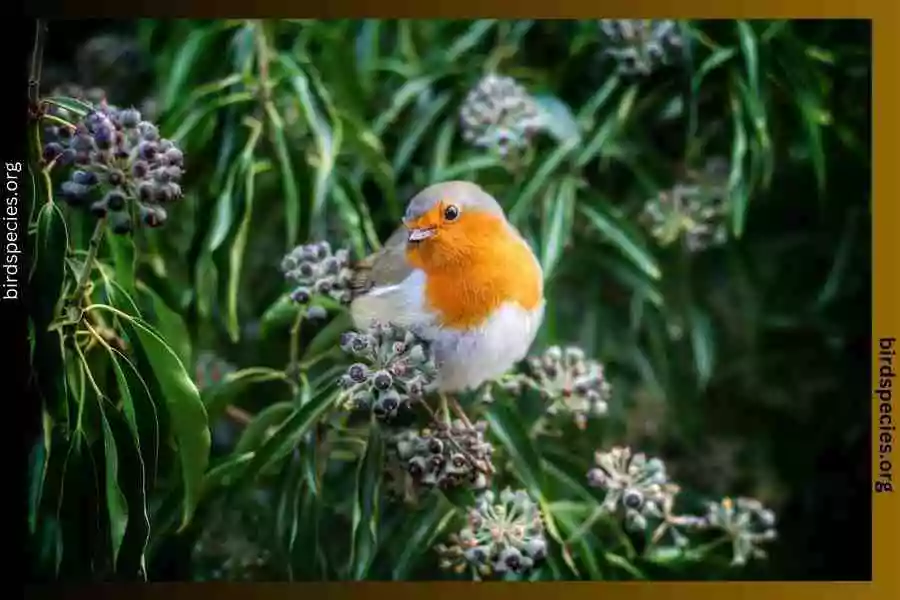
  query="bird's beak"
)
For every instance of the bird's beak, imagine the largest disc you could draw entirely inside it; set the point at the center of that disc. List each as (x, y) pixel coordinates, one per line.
(418, 234)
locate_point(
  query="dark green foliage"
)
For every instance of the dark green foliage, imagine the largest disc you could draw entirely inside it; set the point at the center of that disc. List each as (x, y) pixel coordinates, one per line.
(697, 193)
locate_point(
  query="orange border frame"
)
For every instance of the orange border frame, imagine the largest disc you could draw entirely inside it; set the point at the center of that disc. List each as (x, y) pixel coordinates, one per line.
(886, 100)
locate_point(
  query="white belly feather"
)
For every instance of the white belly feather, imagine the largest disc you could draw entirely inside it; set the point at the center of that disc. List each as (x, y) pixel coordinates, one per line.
(465, 359)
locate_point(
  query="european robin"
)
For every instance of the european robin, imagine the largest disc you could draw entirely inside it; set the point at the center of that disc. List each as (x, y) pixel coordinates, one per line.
(461, 277)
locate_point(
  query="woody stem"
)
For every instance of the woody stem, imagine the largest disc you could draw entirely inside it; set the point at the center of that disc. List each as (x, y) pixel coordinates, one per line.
(445, 412)
(454, 404)
(295, 345)
(37, 61)
(88, 267)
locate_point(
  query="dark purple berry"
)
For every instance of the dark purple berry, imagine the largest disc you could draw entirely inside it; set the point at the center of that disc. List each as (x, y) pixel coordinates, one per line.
(121, 226)
(116, 178)
(139, 169)
(82, 158)
(146, 191)
(147, 150)
(152, 216)
(514, 561)
(300, 295)
(148, 131)
(94, 121)
(67, 157)
(130, 118)
(52, 151)
(115, 200)
(331, 266)
(82, 143)
(357, 373)
(174, 173)
(323, 286)
(632, 499)
(383, 380)
(87, 178)
(390, 404)
(164, 193)
(104, 136)
(174, 157)
(73, 193)
(99, 209)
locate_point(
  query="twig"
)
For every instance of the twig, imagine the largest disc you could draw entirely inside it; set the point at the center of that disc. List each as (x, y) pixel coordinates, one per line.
(238, 415)
(88, 266)
(37, 61)
(445, 412)
(294, 364)
(475, 463)
(454, 404)
(262, 61)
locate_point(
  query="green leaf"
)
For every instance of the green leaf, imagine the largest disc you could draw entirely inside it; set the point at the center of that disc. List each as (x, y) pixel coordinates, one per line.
(122, 249)
(368, 154)
(601, 96)
(38, 463)
(558, 228)
(539, 180)
(751, 54)
(168, 323)
(736, 184)
(248, 169)
(223, 218)
(279, 315)
(507, 427)
(262, 425)
(402, 98)
(48, 263)
(626, 274)
(424, 526)
(217, 397)
(116, 505)
(421, 124)
(186, 411)
(326, 127)
(188, 57)
(288, 177)
(289, 434)
(614, 229)
(366, 507)
(468, 167)
(609, 128)
(624, 564)
(327, 338)
(464, 43)
(703, 345)
(73, 105)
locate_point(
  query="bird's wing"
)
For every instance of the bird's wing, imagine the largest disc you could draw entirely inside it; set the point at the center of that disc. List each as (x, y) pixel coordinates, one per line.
(386, 267)
(383, 288)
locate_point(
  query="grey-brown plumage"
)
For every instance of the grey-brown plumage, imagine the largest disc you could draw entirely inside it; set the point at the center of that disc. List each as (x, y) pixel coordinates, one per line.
(388, 265)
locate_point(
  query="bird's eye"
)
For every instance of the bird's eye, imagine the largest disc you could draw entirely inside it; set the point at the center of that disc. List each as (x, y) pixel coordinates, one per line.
(451, 213)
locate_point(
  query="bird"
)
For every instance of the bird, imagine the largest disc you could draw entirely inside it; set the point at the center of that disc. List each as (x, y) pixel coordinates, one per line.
(461, 277)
